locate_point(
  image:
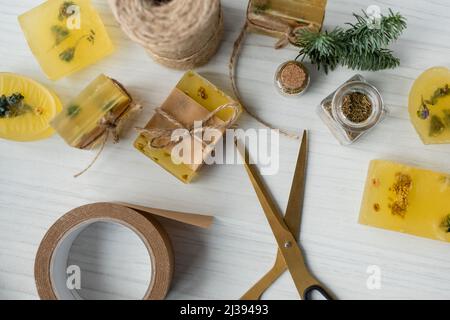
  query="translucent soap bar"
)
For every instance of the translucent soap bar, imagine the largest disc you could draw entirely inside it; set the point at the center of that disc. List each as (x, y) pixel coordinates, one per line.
(407, 199)
(65, 36)
(192, 100)
(429, 105)
(276, 16)
(78, 123)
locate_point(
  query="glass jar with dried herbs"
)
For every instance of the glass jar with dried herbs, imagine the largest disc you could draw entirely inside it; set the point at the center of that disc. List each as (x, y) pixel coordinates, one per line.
(352, 110)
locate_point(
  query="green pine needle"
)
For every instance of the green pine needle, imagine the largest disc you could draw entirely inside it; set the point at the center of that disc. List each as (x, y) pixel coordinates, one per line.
(361, 47)
(379, 59)
(323, 49)
(364, 35)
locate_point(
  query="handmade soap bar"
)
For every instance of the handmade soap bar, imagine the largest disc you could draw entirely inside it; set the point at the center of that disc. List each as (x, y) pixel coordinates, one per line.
(407, 199)
(276, 17)
(192, 100)
(26, 108)
(65, 36)
(429, 105)
(80, 121)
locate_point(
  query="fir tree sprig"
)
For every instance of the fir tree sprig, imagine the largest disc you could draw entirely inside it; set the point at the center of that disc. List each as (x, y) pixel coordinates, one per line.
(367, 35)
(378, 59)
(360, 47)
(323, 49)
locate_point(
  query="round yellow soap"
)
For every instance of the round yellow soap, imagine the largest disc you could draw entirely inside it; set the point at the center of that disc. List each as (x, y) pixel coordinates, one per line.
(44, 106)
(429, 105)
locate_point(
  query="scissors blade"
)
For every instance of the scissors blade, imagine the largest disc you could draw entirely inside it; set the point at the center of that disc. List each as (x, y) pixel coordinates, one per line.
(287, 243)
(294, 209)
(292, 219)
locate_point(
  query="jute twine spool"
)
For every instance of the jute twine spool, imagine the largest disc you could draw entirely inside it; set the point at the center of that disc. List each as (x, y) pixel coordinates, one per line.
(180, 34)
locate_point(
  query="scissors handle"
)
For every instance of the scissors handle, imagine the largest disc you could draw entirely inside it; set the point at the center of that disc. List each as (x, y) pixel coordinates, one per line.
(308, 293)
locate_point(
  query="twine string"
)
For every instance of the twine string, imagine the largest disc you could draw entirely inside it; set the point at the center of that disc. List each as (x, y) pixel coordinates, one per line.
(232, 66)
(271, 26)
(290, 35)
(111, 127)
(155, 134)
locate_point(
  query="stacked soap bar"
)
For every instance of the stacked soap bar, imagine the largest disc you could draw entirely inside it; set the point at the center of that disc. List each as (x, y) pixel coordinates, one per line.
(429, 105)
(407, 199)
(79, 122)
(192, 100)
(276, 17)
(65, 36)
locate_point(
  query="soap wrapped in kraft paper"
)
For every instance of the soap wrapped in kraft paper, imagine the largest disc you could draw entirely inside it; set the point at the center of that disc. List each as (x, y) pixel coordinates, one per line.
(282, 18)
(407, 199)
(188, 125)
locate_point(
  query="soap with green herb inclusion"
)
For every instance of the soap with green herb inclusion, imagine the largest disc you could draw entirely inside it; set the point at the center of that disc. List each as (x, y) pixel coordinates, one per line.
(429, 105)
(82, 115)
(65, 36)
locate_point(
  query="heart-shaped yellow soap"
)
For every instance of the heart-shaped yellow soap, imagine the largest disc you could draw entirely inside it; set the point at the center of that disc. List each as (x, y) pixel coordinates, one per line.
(429, 105)
(41, 106)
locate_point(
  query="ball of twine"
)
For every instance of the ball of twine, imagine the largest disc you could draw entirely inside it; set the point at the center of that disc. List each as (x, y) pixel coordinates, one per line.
(180, 34)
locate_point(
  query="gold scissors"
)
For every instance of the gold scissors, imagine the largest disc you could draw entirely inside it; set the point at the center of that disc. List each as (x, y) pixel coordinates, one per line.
(285, 230)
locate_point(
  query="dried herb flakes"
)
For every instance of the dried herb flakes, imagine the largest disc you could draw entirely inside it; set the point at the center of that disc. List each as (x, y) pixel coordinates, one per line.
(446, 223)
(401, 188)
(357, 107)
(73, 111)
(424, 112)
(437, 126)
(13, 106)
(60, 34)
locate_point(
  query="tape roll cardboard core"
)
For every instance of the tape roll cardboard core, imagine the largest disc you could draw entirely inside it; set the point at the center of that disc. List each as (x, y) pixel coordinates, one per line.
(53, 253)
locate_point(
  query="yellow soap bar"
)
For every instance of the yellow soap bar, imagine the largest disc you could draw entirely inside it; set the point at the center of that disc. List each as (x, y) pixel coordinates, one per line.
(279, 15)
(65, 36)
(80, 118)
(197, 91)
(29, 118)
(406, 199)
(429, 105)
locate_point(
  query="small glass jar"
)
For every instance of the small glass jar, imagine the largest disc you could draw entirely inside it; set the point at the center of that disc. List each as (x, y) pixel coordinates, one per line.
(292, 78)
(343, 128)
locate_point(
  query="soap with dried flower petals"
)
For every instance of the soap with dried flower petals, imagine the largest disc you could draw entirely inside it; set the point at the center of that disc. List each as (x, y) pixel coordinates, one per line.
(407, 199)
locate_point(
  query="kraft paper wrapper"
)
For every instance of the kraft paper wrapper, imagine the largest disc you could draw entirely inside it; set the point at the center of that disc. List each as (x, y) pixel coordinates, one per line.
(311, 14)
(186, 111)
(140, 220)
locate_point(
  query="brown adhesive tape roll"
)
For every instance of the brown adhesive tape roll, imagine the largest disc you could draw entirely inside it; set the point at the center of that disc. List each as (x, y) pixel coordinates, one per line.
(51, 259)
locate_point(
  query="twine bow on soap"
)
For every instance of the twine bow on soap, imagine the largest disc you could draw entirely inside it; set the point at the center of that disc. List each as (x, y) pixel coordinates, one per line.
(290, 36)
(111, 127)
(156, 134)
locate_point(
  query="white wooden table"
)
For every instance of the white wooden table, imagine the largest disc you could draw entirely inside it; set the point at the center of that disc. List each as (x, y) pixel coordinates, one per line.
(36, 184)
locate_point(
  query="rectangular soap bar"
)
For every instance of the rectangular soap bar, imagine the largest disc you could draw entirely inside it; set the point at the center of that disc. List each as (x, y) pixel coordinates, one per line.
(405, 199)
(192, 100)
(276, 16)
(65, 36)
(78, 122)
